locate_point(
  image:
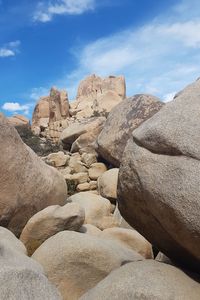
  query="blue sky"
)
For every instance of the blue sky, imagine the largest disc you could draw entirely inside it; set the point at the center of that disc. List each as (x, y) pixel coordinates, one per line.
(154, 44)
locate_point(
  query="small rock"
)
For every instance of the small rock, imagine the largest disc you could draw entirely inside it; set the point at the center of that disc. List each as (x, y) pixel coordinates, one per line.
(107, 184)
(58, 159)
(93, 185)
(76, 165)
(89, 158)
(83, 187)
(96, 170)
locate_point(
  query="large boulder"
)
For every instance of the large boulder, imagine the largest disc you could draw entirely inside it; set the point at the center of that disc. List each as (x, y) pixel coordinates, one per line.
(76, 262)
(50, 221)
(20, 276)
(82, 134)
(98, 210)
(159, 179)
(122, 120)
(27, 184)
(148, 280)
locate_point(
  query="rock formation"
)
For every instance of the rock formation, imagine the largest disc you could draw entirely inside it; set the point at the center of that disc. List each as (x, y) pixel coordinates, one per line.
(18, 120)
(122, 120)
(50, 114)
(97, 96)
(27, 185)
(159, 179)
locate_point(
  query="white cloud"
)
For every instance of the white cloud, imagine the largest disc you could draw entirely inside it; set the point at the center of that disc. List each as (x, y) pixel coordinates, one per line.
(36, 93)
(46, 11)
(16, 107)
(10, 49)
(6, 52)
(160, 57)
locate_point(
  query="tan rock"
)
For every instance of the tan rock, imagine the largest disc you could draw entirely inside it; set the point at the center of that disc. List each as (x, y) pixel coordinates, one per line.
(82, 187)
(97, 96)
(50, 221)
(9, 239)
(96, 170)
(20, 276)
(93, 185)
(76, 165)
(65, 171)
(18, 120)
(131, 239)
(107, 184)
(159, 179)
(121, 122)
(88, 159)
(146, 279)
(27, 184)
(98, 210)
(49, 113)
(76, 262)
(58, 159)
(81, 134)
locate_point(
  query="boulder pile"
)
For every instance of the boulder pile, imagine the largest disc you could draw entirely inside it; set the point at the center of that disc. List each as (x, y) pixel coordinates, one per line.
(115, 212)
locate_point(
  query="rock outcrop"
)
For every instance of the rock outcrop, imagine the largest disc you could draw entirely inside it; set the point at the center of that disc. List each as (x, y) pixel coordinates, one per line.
(27, 184)
(159, 179)
(122, 120)
(76, 262)
(18, 120)
(50, 114)
(145, 280)
(97, 96)
(81, 135)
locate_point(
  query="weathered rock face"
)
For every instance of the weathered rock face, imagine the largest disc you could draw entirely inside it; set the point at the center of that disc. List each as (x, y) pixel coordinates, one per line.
(76, 262)
(27, 184)
(50, 221)
(50, 113)
(145, 280)
(122, 120)
(82, 135)
(20, 276)
(97, 96)
(18, 120)
(159, 179)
